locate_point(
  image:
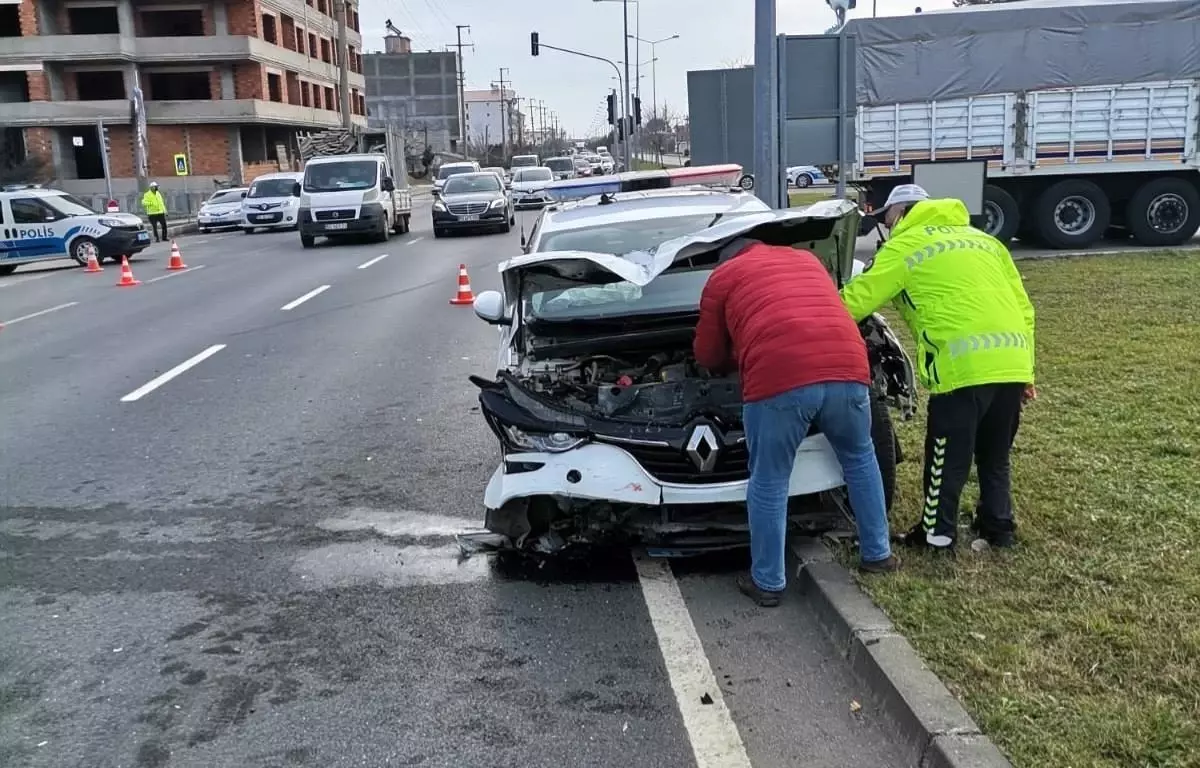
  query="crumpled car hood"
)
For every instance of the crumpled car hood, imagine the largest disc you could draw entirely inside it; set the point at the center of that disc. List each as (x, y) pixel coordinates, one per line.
(552, 269)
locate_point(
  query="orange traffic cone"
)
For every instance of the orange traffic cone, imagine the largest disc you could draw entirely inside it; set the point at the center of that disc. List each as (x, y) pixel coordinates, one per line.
(93, 263)
(464, 287)
(176, 261)
(127, 278)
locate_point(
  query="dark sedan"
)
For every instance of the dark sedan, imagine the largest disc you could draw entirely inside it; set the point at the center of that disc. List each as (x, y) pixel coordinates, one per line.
(473, 201)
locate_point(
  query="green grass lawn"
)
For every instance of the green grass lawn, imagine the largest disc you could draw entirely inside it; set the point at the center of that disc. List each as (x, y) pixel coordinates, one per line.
(1081, 649)
(646, 165)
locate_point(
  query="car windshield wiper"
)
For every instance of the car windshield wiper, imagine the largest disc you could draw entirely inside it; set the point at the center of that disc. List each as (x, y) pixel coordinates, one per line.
(715, 220)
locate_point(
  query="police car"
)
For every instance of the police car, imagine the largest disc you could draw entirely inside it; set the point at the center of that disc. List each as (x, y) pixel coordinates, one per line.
(607, 426)
(47, 224)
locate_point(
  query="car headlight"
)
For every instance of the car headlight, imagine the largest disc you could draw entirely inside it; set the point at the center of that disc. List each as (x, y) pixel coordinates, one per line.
(110, 223)
(542, 442)
(498, 202)
(438, 205)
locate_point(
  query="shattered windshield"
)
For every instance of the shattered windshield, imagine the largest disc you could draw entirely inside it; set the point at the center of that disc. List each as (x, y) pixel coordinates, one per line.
(674, 291)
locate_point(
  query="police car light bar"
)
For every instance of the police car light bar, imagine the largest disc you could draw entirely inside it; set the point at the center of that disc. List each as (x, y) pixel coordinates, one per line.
(637, 181)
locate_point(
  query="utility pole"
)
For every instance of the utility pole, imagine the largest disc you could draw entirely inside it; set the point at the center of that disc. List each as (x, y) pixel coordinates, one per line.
(766, 106)
(462, 85)
(344, 63)
(503, 108)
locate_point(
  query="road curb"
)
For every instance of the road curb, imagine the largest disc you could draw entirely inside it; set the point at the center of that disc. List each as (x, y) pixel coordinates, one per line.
(935, 729)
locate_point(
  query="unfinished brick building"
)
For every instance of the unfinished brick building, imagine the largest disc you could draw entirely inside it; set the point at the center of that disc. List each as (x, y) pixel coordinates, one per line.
(229, 83)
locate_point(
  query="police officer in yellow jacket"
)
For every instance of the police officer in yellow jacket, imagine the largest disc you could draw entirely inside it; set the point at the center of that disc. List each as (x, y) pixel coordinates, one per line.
(156, 210)
(962, 297)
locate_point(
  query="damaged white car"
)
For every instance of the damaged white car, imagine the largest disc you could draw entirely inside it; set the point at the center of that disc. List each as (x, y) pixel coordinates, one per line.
(608, 429)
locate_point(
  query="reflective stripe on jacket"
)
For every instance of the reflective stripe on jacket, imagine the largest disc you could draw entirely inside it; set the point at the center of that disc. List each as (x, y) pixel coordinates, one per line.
(960, 294)
(153, 202)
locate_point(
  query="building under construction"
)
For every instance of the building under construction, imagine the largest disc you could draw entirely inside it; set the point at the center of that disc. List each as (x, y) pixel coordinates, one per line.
(227, 84)
(416, 93)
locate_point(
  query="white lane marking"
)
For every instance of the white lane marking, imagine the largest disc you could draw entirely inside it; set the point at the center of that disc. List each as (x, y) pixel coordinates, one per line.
(715, 740)
(368, 263)
(38, 314)
(304, 298)
(27, 278)
(158, 381)
(414, 240)
(173, 274)
(197, 242)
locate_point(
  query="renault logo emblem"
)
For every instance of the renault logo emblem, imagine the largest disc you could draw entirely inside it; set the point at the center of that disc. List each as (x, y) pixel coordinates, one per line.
(702, 448)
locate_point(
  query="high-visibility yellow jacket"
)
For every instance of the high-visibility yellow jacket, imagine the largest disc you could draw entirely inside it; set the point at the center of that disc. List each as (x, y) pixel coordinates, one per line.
(153, 202)
(960, 294)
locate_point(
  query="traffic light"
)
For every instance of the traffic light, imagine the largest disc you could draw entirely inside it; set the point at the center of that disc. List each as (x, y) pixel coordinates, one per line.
(637, 110)
(104, 136)
(621, 130)
(612, 109)
(533, 43)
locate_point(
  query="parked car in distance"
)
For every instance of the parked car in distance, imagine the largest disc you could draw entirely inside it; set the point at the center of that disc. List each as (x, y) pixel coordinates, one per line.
(805, 176)
(503, 174)
(272, 202)
(562, 167)
(583, 166)
(221, 211)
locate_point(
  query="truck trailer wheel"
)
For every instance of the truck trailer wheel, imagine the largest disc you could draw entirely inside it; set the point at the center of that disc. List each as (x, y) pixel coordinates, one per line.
(1072, 214)
(1164, 212)
(1001, 213)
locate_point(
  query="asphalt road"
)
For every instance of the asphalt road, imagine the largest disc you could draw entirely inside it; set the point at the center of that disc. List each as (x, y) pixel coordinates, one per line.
(226, 539)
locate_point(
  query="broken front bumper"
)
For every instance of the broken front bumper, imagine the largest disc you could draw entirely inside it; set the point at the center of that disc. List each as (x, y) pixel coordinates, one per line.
(606, 473)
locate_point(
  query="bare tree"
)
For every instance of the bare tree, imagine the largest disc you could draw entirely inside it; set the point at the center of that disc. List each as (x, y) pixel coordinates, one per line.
(661, 129)
(737, 62)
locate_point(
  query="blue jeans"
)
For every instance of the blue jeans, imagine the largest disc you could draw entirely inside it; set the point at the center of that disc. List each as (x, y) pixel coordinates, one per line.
(775, 427)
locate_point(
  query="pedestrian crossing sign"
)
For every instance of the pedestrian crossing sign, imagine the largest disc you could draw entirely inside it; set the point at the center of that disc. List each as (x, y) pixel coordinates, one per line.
(181, 168)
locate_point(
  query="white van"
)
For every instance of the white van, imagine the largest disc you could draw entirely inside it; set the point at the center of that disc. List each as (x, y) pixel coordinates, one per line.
(343, 195)
(272, 202)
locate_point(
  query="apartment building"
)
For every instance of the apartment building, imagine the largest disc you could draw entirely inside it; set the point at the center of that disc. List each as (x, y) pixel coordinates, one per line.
(416, 92)
(228, 83)
(491, 116)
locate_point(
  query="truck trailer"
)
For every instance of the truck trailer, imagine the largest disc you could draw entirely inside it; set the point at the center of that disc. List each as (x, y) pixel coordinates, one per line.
(1086, 114)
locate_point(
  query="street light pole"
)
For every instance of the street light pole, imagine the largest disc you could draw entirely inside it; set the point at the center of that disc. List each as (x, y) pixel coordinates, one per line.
(766, 106)
(654, 71)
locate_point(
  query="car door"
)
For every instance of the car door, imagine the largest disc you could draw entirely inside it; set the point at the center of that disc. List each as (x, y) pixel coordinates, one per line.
(8, 240)
(40, 230)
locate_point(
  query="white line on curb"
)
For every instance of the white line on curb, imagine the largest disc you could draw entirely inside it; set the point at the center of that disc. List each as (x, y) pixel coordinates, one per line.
(304, 298)
(158, 381)
(414, 240)
(38, 314)
(714, 736)
(173, 274)
(366, 264)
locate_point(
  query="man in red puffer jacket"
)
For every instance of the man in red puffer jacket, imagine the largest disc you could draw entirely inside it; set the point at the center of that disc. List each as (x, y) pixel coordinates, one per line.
(774, 313)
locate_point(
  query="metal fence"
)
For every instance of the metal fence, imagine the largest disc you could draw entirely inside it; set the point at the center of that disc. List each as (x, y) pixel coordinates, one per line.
(180, 205)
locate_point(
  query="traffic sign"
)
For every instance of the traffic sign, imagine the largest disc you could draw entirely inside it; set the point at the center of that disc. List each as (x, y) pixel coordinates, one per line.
(181, 165)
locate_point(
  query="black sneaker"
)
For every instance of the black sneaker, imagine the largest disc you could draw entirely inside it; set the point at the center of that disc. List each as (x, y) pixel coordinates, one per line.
(747, 587)
(917, 538)
(996, 539)
(889, 564)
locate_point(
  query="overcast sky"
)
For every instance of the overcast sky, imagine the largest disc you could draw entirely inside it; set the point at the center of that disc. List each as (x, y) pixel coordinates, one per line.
(712, 34)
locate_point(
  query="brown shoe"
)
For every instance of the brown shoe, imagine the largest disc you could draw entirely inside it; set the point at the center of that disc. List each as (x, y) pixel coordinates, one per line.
(890, 564)
(761, 596)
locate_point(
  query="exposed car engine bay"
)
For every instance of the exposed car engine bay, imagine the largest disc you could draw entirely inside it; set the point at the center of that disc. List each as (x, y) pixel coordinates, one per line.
(665, 387)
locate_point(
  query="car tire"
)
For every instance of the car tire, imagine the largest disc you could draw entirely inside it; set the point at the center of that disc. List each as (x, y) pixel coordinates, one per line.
(887, 450)
(82, 248)
(746, 182)
(438, 232)
(7, 269)
(505, 228)
(1164, 212)
(307, 241)
(201, 231)
(803, 181)
(1002, 214)
(1058, 209)
(248, 230)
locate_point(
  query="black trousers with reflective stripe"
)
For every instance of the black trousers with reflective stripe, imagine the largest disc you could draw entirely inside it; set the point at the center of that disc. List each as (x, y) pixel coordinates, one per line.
(970, 425)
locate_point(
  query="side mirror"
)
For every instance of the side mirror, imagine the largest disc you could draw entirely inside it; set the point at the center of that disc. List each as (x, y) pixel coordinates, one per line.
(388, 184)
(243, 195)
(867, 225)
(489, 306)
(296, 189)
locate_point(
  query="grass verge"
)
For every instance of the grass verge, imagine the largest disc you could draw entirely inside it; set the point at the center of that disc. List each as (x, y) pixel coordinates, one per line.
(647, 165)
(1082, 647)
(799, 197)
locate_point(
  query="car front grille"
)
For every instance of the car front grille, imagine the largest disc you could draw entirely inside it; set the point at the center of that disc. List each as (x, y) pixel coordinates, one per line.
(334, 215)
(671, 465)
(467, 209)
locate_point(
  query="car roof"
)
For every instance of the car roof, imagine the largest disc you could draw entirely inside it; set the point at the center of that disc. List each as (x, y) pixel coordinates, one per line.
(643, 206)
(33, 192)
(474, 175)
(234, 189)
(279, 175)
(321, 159)
(459, 164)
